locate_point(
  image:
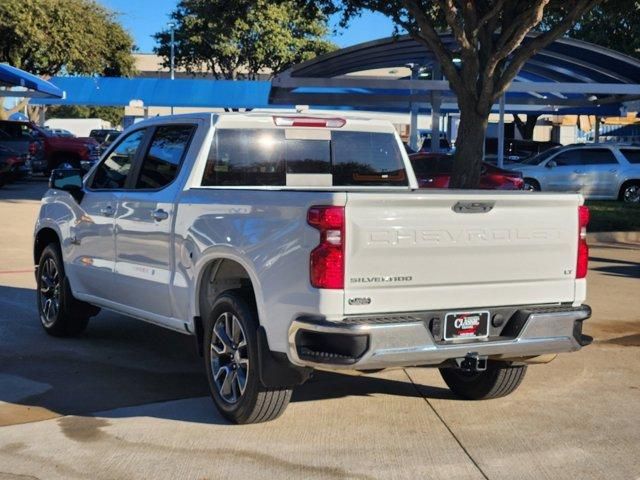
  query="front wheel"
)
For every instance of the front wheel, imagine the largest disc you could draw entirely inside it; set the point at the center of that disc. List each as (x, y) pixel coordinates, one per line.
(498, 380)
(232, 363)
(531, 185)
(61, 315)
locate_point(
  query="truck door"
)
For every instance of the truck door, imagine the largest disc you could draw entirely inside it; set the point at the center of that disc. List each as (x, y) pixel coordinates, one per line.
(600, 173)
(92, 252)
(144, 223)
(565, 172)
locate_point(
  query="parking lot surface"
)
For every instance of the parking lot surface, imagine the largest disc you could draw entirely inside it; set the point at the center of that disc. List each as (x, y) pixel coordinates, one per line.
(129, 400)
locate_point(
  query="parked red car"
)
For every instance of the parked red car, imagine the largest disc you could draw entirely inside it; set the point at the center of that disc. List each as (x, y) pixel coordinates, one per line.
(433, 170)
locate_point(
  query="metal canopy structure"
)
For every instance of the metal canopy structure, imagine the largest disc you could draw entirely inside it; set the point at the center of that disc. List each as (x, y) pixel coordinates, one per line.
(28, 85)
(160, 92)
(568, 75)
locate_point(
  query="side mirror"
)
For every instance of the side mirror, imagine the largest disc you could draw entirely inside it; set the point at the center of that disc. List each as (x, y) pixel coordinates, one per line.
(69, 180)
(551, 164)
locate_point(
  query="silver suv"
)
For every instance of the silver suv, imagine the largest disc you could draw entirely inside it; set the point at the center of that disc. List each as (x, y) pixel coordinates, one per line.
(597, 171)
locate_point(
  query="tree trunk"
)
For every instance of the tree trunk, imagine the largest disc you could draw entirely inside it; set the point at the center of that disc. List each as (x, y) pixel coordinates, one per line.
(526, 128)
(469, 148)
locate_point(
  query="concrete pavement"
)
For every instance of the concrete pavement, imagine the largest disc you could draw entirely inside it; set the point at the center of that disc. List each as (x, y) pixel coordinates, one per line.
(128, 400)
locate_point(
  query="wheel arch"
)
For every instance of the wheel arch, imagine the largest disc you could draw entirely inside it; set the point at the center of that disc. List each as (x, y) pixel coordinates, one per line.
(532, 181)
(230, 271)
(625, 184)
(44, 237)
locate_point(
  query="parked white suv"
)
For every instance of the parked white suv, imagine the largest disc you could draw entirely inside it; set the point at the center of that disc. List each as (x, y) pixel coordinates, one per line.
(289, 243)
(597, 171)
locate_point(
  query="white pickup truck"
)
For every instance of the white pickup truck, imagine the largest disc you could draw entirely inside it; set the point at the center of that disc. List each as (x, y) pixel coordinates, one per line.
(286, 243)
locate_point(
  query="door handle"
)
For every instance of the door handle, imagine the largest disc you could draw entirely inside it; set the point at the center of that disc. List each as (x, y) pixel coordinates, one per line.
(579, 172)
(107, 211)
(614, 170)
(159, 215)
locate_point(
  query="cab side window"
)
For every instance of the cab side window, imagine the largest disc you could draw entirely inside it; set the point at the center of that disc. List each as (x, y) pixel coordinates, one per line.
(112, 172)
(164, 157)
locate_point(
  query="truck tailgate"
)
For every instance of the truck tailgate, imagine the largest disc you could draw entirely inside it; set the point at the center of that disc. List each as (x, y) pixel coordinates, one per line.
(416, 251)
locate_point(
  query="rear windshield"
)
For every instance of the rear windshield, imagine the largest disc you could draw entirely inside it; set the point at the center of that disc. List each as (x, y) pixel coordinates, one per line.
(432, 165)
(631, 154)
(272, 157)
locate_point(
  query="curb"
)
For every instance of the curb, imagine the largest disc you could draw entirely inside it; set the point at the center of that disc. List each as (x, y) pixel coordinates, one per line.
(614, 237)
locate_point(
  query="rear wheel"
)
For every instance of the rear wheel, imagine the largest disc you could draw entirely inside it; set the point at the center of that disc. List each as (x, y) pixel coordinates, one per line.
(61, 315)
(232, 363)
(630, 192)
(498, 380)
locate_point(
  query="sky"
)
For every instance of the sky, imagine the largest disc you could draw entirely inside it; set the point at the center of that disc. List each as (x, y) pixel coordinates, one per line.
(143, 18)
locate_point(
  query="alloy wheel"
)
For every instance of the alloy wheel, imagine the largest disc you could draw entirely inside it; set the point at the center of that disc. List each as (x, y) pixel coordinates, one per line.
(229, 357)
(49, 292)
(632, 194)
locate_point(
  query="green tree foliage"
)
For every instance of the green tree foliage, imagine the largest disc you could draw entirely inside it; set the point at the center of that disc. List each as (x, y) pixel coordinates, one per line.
(613, 24)
(489, 42)
(227, 37)
(50, 37)
(114, 115)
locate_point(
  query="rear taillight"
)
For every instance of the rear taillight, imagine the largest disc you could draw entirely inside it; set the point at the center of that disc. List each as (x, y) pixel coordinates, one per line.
(327, 259)
(583, 249)
(309, 122)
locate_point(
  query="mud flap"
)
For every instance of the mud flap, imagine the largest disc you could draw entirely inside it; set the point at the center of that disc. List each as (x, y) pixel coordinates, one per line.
(276, 371)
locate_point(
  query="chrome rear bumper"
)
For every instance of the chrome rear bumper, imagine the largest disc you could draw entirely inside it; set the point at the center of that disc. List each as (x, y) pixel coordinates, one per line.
(406, 339)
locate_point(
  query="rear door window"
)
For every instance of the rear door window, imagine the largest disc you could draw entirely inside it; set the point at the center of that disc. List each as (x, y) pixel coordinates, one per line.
(364, 158)
(162, 162)
(273, 157)
(632, 155)
(598, 156)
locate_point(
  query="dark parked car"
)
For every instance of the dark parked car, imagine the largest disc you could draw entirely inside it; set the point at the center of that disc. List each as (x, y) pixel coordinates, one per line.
(445, 146)
(433, 170)
(12, 165)
(18, 138)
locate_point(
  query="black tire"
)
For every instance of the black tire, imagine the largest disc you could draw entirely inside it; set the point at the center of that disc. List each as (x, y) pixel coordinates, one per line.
(61, 315)
(498, 380)
(531, 185)
(630, 192)
(254, 403)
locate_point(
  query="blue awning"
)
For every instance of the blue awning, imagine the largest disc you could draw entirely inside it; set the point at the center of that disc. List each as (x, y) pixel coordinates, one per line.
(35, 87)
(161, 92)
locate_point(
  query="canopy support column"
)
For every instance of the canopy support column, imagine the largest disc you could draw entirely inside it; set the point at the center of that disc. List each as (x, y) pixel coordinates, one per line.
(501, 133)
(436, 103)
(414, 134)
(596, 134)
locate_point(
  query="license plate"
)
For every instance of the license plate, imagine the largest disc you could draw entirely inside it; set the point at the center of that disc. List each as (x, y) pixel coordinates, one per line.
(461, 325)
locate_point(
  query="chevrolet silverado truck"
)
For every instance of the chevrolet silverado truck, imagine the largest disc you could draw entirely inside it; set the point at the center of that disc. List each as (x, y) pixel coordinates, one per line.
(288, 243)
